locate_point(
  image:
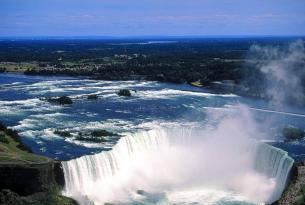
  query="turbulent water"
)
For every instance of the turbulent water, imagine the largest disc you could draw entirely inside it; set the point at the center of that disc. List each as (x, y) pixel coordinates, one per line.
(274, 163)
(176, 145)
(180, 166)
(152, 104)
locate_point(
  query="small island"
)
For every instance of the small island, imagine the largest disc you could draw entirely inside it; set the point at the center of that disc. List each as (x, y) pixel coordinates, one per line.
(63, 100)
(95, 136)
(293, 133)
(92, 97)
(124, 92)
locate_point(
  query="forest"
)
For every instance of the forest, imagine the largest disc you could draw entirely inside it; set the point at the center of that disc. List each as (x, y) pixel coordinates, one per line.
(199, 61)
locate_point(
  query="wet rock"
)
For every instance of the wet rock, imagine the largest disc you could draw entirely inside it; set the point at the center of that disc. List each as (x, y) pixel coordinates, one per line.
(63, 100)
(92, 97)
(124, 92)
(293, 133)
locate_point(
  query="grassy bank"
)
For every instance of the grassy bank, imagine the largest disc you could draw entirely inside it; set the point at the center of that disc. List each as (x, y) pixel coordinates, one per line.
(27, 178)
(11, 154)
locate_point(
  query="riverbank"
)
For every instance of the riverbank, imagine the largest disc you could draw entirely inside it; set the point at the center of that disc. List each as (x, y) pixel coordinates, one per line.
(27, 178)
(294, 194)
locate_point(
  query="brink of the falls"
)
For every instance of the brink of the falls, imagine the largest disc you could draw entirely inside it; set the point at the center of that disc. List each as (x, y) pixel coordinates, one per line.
(180, 166)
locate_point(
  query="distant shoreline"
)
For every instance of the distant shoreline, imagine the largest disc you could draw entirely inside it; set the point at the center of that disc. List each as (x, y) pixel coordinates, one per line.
(144, 37)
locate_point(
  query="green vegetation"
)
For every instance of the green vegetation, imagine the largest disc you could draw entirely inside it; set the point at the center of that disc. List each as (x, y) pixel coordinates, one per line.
(185, 61)
(102, 133)
(12, 154)
(3, 138)
(96, 136)
(300, 199)
(14, 135)
(91, 139)
(7, 197)
(17, 67)
(36, 175)
(13, 151)
(293, 133)
(63, 100)
(124, 92)
(195, 61)
(62, 133)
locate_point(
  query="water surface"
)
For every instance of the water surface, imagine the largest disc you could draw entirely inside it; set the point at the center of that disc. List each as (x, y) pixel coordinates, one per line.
(152, 104)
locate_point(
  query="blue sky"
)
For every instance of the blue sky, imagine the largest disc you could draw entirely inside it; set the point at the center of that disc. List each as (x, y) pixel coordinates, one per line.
(151, 17)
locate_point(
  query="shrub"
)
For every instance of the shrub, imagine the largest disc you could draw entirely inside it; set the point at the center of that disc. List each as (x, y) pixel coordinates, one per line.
(13, 134)
(2, 70)
(62, 133)
(3, 138)
(124, 92)
(293, 133)
(63, 100)
(102, 133)
(91, 139)
(2, 126)
(8, 197)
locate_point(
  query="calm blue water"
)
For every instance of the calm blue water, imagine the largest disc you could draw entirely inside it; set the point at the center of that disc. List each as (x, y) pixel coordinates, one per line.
(152, 104)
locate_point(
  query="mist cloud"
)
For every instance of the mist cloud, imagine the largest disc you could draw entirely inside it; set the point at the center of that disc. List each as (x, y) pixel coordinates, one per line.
(283, 71)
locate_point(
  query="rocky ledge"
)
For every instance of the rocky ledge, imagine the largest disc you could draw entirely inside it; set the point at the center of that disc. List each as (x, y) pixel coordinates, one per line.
(295, 191)
(26, 178)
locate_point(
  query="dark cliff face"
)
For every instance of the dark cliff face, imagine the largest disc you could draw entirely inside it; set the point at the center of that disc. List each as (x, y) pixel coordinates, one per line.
(59, 174)
(23, 172)
(28, 179)
(21, 180)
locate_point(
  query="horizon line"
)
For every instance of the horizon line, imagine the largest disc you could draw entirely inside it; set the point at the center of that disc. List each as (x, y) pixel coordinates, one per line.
(108, 37)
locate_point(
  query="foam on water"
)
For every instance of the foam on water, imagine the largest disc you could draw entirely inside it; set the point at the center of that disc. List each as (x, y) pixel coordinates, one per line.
(170, 93)
(151, 102)
(179, 166)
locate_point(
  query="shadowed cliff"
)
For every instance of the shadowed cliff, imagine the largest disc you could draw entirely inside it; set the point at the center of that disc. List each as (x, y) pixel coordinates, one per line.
(26, 178)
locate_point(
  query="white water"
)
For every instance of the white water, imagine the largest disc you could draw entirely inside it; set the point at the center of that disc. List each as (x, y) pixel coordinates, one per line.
(274, 163)
(180, 166)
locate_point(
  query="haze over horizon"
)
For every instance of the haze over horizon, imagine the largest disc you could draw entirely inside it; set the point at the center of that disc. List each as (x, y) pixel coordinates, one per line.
(152, 18)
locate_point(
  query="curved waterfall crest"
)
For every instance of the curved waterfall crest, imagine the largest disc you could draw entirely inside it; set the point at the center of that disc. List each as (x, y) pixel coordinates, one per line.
(171, 161)
(274, 163)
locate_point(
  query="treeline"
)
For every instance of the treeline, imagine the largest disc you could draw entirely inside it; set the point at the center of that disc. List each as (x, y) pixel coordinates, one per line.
(183, 60)
(95, 50)
(159, 72)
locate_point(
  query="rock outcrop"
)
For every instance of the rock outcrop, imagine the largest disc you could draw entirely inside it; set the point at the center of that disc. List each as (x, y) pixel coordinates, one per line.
(26, 178)
(294, 193)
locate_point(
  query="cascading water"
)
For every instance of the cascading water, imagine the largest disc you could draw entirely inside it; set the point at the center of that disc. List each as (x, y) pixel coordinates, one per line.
(274, 163)
(180, 166)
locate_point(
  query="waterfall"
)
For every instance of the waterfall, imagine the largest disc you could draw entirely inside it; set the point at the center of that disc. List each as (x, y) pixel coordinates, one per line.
(274, 163)
(171, 161)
